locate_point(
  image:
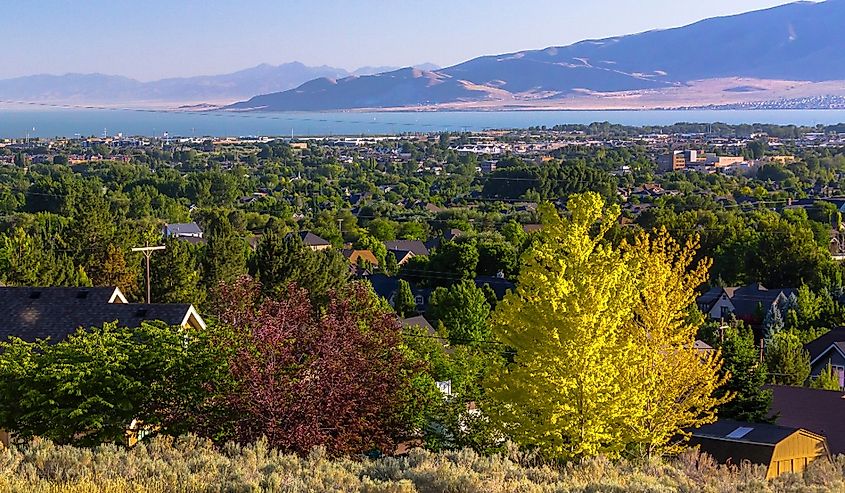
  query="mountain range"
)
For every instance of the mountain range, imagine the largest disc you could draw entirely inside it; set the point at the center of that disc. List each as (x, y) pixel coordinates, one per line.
(795, 50)
(112, 89)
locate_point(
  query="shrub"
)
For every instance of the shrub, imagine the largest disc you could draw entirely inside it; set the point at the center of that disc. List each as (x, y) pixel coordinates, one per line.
(189, 463)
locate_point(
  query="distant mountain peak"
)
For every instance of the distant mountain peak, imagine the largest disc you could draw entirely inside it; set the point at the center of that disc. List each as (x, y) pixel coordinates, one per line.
(800, 41)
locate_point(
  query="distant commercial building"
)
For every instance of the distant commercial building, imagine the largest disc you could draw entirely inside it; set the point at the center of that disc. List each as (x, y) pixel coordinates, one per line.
(677, 160)
(692, 159)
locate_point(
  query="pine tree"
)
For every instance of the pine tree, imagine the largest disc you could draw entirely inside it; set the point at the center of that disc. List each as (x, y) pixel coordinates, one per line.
(403, 302)
(174, 274)
(283, 259)
(787, 361)
(746, 377)
(827, 379)
(391, 267)
(224, 256)
(111, 269)
(772, 323)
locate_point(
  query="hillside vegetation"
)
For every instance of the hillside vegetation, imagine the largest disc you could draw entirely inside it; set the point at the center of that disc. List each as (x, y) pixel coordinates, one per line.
(192, 464)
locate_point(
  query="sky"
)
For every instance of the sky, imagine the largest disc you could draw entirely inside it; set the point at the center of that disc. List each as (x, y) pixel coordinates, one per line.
(153, 39)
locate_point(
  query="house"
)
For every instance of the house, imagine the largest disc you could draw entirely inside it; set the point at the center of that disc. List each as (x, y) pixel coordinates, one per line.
(497, 283)
(402, 256)
(53, 314)
(356, 256)
(781, 449)
(488, 166)
(748, 303)
(532, 228)
(702, 347)
(816, 410)
(313, 241)
(433, 208)
(182, 230)
(414, 246)
(386, 287)
(421, 322)
(828, 349)
(451, 234)
(32, 313)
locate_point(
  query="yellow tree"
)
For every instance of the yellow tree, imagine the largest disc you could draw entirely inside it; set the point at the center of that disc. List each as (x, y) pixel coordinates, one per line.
(675, 381)
(563, 393)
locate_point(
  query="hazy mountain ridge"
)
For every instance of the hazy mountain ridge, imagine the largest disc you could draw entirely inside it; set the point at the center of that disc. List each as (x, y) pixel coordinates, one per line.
(794, 42)
(101, 88)
(114, 89)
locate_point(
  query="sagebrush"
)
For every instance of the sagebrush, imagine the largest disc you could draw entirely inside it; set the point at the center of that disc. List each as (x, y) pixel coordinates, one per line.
(192, 464)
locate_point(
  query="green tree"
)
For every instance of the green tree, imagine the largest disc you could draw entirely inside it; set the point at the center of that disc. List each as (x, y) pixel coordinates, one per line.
(787, 362)
(455, 259)
(367, 242)
(403, 301)
(24, 261)
(175, 274)
(746, 377)
(391, 266)
(828, 379)
(463, 309)
(224, 256)
(382, 229)
(87, 389)
(110, 268)
(283, 259)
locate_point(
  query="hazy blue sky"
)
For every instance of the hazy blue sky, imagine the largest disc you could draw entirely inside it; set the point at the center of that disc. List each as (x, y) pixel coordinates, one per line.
(149, 39)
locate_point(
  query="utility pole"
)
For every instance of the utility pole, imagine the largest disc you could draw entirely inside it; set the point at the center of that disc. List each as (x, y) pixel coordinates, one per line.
(148, 252)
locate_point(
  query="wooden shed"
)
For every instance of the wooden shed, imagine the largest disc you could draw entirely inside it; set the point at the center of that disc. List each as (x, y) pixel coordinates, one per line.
(779, 448)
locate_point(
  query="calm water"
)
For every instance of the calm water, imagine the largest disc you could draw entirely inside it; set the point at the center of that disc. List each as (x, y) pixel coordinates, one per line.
(15, 122)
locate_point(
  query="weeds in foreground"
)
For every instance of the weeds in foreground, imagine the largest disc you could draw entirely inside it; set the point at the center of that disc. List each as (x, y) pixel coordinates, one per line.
(190, 464)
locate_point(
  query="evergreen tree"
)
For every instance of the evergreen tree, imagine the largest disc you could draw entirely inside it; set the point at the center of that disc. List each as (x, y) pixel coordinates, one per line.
(224, 256)
(828, 379)
(787, 361)
(175, 275)
(111, 269)
(772, 322)
(283, 259)
(746, 377)
(490, 296)
(391, 267)
(403, 302)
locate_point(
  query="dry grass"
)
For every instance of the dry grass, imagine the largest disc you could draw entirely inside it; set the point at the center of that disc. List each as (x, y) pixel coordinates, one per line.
(192, 464)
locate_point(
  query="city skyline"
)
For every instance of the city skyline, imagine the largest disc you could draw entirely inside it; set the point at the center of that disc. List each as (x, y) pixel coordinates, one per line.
(164, 40)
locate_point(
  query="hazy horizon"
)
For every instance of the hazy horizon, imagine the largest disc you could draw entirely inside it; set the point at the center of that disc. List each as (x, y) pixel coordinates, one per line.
(164, 39)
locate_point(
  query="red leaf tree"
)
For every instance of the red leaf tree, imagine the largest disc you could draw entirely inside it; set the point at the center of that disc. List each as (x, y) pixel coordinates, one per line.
(306, 377)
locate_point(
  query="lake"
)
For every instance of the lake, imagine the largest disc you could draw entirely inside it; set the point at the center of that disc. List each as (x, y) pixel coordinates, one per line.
(15, 122)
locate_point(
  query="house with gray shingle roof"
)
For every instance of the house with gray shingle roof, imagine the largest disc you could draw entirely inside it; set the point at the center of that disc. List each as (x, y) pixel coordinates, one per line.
(182, 230)
(33, 313)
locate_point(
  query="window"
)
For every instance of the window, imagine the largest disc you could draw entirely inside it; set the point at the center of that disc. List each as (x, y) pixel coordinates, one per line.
(839, 371)
(725, 312)
(740, 432)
